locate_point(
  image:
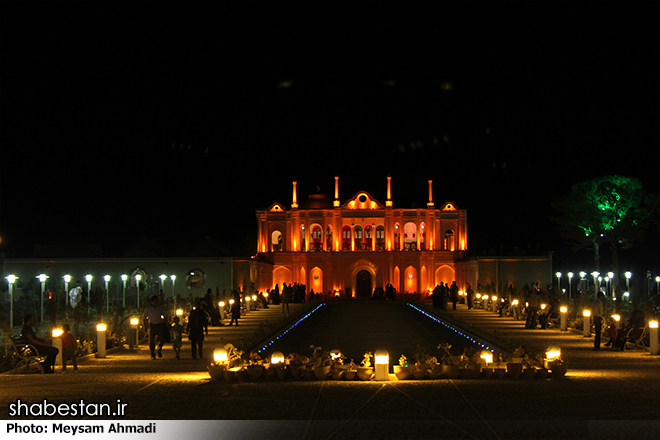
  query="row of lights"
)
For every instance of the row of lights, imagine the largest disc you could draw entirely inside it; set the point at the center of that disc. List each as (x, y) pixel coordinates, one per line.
(11, 279)
(596, 276)
(291, 327)
(454, 329)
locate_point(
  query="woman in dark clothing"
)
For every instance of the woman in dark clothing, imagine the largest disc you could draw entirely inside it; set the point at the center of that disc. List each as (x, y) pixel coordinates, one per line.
(235, 308)
(197, 326)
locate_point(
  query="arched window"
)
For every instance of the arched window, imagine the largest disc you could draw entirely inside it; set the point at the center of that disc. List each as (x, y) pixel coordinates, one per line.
(368, 237)
(410, 237)
(357, 233)
(317, 238)
(448, 243)
(328, 238)
(380, 238)
(276, 241)
(346, 238)
(397, 237)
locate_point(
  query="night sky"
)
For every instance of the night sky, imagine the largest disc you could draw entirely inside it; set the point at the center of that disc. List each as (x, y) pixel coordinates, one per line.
(176, 121)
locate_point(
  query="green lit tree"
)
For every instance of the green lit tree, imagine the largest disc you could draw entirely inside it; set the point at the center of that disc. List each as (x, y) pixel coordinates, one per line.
(612, 210)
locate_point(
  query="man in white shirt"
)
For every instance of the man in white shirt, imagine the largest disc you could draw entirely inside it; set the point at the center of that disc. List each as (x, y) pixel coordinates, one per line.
(156, 315)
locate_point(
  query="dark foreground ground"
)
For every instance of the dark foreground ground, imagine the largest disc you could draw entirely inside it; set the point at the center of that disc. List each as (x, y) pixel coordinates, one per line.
(604, 395)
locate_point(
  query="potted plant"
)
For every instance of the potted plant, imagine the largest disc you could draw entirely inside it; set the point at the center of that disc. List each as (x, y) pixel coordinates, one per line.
(541, 371)
(434, 368)
(449, 362)
(337, 367)
(296, 362)
(421, 359)
(466, 368)
(515, 367)
(365, 371)
(529, 368)
(233, 356)
(322, 368)
(402, 371)
(351, 371)
(255, 368)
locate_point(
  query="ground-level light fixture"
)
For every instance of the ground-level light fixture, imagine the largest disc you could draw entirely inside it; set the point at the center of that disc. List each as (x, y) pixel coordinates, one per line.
(563, 315)
(101, 329)
(653, 337)
(487, 356)
(220, 356)
(586, 324)
(382, 364)
(56, 334)
(277, 358)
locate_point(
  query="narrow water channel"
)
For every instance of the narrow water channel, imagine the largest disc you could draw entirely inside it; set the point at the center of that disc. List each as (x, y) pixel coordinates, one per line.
(360, 326)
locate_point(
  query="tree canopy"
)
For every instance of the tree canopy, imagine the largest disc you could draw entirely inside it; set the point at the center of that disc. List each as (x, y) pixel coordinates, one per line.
(610, 209)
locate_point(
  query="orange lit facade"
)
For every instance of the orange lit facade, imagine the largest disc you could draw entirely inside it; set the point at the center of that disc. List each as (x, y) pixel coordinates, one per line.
(354, 246)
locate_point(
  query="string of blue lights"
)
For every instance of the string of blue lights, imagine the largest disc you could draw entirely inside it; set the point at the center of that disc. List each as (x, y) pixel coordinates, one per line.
(454, 329)
(288, 329)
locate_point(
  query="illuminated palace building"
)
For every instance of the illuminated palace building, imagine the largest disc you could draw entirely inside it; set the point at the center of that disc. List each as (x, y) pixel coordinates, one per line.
(351, 248)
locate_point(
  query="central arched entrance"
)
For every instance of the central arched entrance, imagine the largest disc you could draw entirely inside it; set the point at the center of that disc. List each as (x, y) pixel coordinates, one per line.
(363, 284)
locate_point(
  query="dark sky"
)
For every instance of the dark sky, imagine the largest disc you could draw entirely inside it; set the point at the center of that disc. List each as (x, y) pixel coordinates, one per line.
(124, 121)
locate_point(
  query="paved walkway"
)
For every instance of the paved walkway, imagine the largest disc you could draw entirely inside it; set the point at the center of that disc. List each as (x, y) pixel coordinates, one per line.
(605, 394)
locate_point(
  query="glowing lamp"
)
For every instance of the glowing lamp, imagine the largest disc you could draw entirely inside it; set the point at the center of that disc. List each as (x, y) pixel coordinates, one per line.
(653, 337)
(277, 358)
(179, 312)
(231, 301)
(515, 302)
(100, 339)
(382, 364)
(124, 277)
(254, 297)
(485, 297)
(617, 319)
(586, 329)
(478, 295)
(135, 321)
(553, 353)
(563, 317)
(335, 354)
(487, 356)
(543, 306)
(247, 298)
(221, 304)
(57, 332)
(220, 356)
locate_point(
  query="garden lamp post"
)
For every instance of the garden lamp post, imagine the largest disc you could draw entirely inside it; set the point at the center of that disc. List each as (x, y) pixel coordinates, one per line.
(42, 279)
(570, 293)
(67, 280)
(11, 279)
(628, 276)
(558, 274)
(124, 278)
(106, 278)
(173, 278)
(138, 277)
(88, 278)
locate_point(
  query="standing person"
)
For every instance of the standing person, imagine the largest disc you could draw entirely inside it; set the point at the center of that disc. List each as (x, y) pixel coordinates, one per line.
(435, 297)
(453, 293)
(177, 337)
(287, 292)
(443, 296)
(597, 313)
(533, 306)
(30, 337)
(235, 308)
(68, 347)
(197, 326)
(470, 296)
(156, 315)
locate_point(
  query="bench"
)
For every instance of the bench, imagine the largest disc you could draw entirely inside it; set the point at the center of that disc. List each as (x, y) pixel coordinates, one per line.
(30, 359)
(638, 337)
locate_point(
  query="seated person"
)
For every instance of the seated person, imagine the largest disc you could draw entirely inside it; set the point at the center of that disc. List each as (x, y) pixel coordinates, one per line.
(30, 337)
(549, 313)
(632, 330)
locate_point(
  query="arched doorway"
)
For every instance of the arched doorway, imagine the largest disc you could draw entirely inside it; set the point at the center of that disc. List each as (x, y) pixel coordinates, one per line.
(363, 284)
